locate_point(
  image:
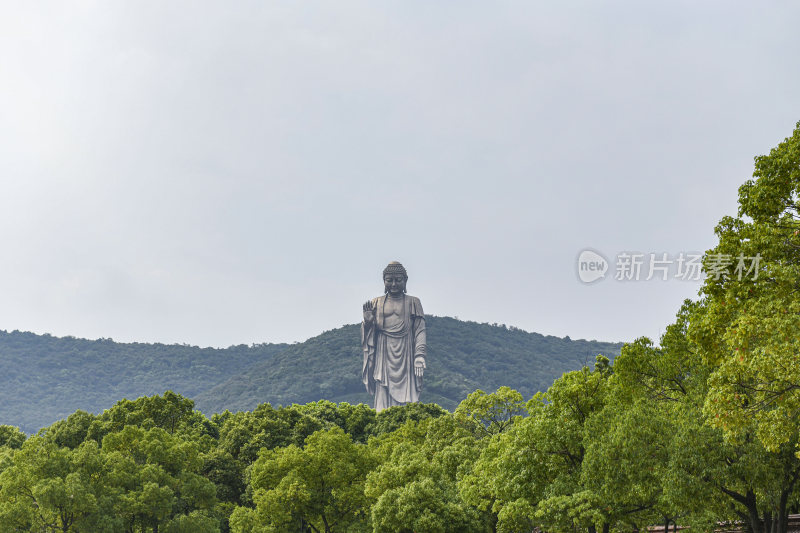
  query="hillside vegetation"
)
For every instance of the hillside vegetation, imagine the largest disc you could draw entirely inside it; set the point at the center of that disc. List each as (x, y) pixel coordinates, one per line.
(463, 357)
(46, 378)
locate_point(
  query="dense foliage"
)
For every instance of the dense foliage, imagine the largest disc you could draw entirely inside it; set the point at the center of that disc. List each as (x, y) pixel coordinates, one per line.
(157, 464)
(47, 378)
(614, 447)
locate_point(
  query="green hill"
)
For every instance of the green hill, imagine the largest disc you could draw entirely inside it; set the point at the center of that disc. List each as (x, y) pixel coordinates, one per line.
(45, 378)
(463, 356)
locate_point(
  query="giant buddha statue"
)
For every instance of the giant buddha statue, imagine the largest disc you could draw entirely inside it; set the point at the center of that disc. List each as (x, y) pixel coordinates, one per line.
(393, 340)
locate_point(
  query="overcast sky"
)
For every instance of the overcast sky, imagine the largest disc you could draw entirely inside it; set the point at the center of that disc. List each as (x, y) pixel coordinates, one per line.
(218, 173)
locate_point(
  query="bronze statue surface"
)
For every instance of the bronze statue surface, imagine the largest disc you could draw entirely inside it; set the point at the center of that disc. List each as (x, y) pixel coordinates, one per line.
(394, 343)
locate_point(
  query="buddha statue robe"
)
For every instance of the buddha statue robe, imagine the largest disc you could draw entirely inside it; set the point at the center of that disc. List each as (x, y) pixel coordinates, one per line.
(391, 344)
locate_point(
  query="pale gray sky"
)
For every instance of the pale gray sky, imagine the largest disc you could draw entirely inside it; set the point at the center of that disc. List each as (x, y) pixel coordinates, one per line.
(219, 173)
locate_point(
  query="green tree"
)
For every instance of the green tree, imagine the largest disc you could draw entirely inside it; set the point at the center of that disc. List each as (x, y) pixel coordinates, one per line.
(72, 431)
(393, 418)
(530, 474)
(708, 477)
(48, 488)
(355, 420)
(157, 477)
(320, 486)
(12, 436)
(747, 322)
(244, 433)
(744, 329)
(627, 457)
(415, 488)
(493, 413)
(228, 475)
(170, 412)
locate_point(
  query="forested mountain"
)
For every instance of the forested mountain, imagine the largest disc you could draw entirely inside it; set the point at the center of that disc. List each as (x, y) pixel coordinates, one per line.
(463, 356)
(45, 378)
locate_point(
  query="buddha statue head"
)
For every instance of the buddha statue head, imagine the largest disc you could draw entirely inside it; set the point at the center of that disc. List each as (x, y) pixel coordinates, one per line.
(394, 279)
